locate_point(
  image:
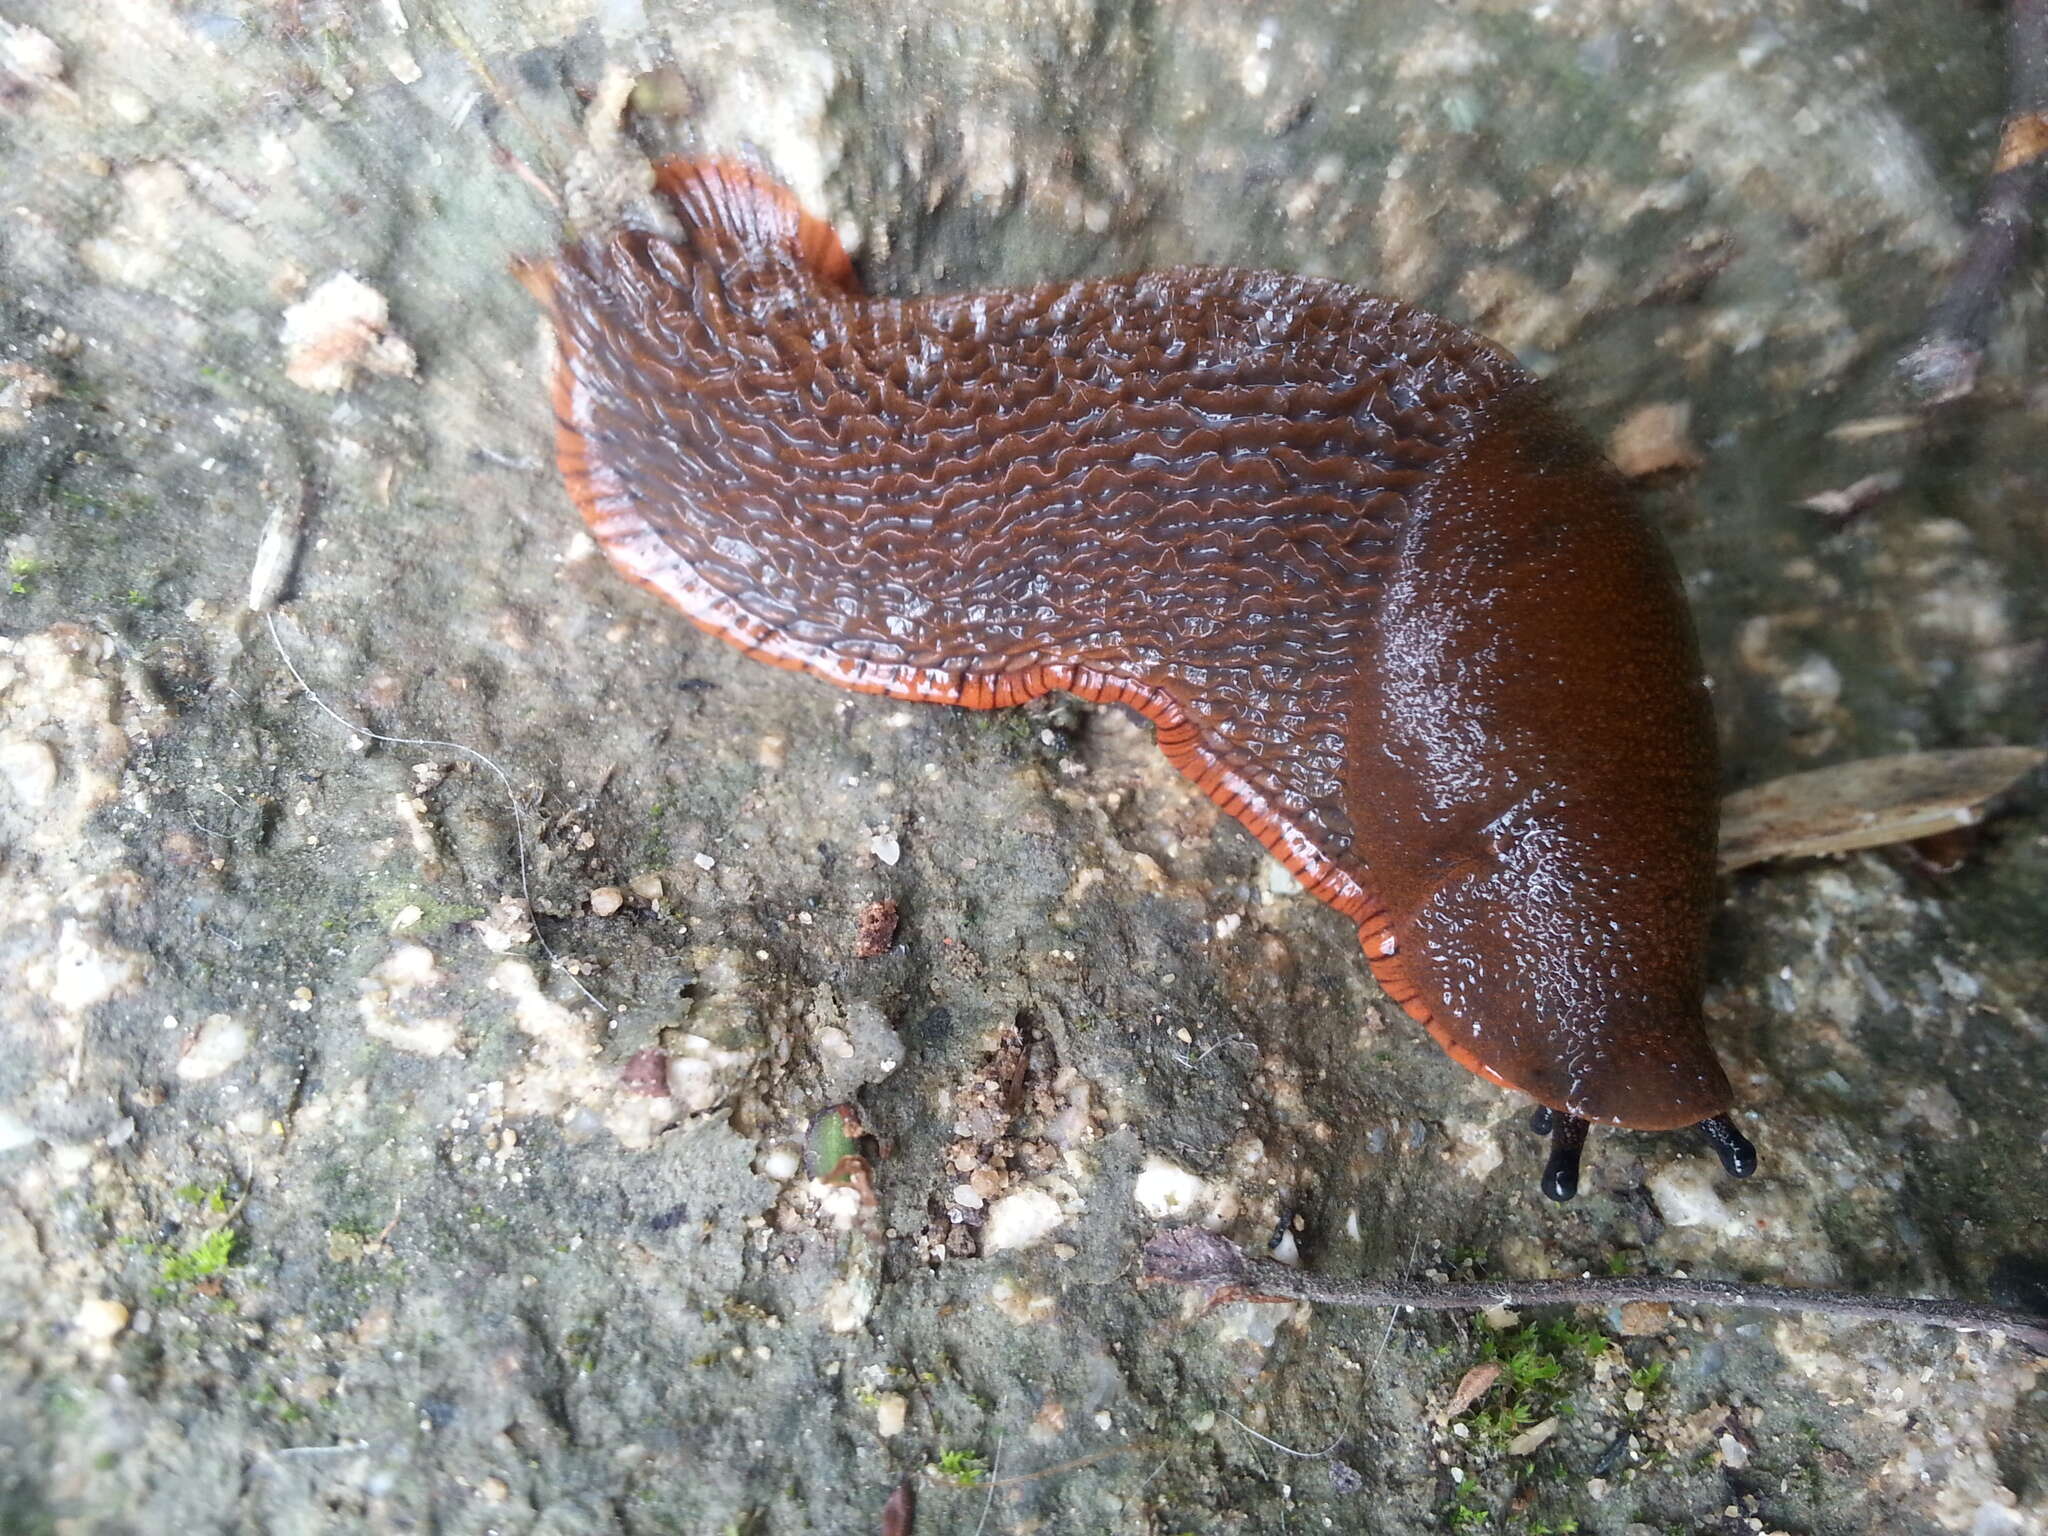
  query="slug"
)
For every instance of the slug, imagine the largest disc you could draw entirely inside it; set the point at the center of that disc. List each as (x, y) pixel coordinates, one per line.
(1379, 599)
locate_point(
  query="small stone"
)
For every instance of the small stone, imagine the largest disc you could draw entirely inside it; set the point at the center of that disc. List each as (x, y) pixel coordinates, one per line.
(606, 900)
(30, 54)
(337, 330)
(130, 106)
(1641, 1319)
(30, 770)
(506, 928)
(1020, 1219)
(1686, 1197)
(648, 887)
(1166, 1189)
(985, 1182)
(875, 930)
(101, 1319)
(1654, 440)
(646, 1072)
(885, 848)
(215, 1047)
(891, 1409)
(15, 1132)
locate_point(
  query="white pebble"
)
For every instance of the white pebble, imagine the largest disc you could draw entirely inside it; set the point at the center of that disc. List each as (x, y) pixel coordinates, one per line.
(101, 1319)
(30, 769)
(221, 1042)
(1686, 1197)
(1020, 1219)
(1166, 1189)
(15, 1132)
(891, 1408)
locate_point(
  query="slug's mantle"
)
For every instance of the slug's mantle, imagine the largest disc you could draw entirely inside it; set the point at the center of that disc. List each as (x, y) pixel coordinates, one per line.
(1382, 603)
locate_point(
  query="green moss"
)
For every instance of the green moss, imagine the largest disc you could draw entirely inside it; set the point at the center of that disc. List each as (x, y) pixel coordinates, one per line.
(209, 1256)
(212, 1197)
(963, 1469)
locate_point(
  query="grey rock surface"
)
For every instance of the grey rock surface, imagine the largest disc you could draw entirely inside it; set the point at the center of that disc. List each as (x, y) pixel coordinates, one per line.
(332, 1203)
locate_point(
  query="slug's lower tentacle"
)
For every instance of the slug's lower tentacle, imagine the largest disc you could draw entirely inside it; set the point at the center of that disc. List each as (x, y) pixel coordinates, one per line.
(1737, 1153)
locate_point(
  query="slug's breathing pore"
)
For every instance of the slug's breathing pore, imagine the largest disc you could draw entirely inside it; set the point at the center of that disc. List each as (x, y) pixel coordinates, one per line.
(1380, 600)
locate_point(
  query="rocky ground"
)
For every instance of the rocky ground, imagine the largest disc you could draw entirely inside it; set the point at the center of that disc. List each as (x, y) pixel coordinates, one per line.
(333, 1203)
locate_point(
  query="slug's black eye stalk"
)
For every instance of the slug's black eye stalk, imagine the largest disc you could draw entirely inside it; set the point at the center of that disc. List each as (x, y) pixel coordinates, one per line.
(1735, 1150)
(1567, 1135)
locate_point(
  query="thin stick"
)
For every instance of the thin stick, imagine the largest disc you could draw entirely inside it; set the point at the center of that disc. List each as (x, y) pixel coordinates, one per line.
(1288, 1449)
(1190, 1256)
(504, 783)
(1943, 366)
(995, 1465)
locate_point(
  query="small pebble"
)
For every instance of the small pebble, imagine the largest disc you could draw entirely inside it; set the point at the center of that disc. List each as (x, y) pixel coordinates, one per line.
(218, 1045)
(1641, 1319)
(1654, 439)
(891, 1408)
(101, 1320)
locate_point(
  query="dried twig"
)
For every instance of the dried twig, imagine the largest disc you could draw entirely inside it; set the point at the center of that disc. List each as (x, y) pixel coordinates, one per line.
(1944, 364)
(1869, 802)
(1217, 1266)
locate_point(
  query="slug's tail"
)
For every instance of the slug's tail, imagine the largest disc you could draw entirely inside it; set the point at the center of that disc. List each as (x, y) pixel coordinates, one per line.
(736, 203)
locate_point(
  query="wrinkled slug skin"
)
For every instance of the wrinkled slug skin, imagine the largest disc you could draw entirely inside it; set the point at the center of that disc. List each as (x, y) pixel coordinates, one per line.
(1381, 602)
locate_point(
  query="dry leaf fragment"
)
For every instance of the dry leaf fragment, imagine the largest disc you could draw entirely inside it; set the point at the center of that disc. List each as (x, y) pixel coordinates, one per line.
(1471, 1388)
(900, 1513)
(1526, 1442)
(1845, 502)
(1871, 426)
(1867, 803)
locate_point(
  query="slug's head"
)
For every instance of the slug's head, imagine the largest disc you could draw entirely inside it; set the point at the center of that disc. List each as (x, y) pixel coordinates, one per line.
(1550, 959)
(1535, 788)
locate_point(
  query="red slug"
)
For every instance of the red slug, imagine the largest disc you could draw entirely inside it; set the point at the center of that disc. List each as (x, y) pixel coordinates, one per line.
(1380, 600)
